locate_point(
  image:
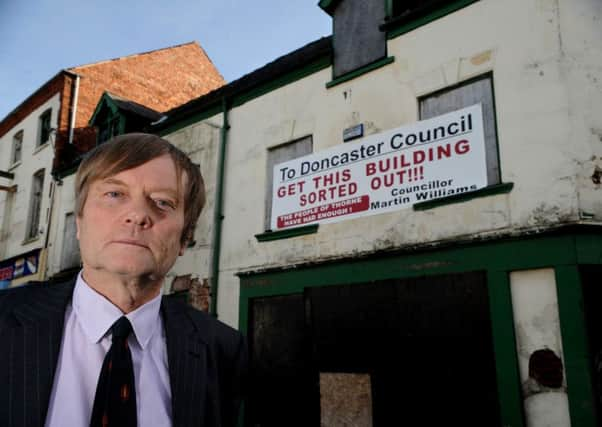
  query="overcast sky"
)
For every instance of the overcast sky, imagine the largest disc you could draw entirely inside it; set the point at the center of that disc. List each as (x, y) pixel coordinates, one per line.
(38, 38)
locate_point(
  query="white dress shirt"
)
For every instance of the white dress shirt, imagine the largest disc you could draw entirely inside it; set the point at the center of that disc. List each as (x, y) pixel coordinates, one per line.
(86, 340)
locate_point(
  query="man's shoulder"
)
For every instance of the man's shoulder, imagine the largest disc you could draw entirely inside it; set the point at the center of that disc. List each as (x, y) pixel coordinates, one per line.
(33, 288)
(212, 330)
(32, 296)
(20, 294)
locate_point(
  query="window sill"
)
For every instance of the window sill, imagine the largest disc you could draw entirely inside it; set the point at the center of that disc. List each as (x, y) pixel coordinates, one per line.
(285, 234)
(29, 240)
(41, 147)
(14, 165)
(491, 190)
(362, 70)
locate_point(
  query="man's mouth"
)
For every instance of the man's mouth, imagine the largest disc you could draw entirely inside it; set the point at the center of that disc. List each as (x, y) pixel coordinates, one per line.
(131, 243)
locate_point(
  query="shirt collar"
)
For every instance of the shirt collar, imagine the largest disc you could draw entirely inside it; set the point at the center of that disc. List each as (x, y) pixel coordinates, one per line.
(96, 314)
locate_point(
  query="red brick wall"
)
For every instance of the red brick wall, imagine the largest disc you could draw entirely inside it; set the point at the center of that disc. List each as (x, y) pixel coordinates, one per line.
(160, 79)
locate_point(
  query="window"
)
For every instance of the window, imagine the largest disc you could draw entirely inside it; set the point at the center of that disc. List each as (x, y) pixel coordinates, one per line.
(479, 90)
(17, 147)
(70, 253)
(292, 150)
(44, 128)
(357, 40)
(35, 205)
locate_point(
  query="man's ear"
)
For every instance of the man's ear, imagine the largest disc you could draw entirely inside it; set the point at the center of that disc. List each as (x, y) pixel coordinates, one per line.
(77, 226)
(184, 246)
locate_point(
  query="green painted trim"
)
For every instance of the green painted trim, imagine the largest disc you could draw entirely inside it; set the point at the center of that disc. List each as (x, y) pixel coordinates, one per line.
(397, 27)
(285, 234)
(218, 212)
(277, 83)
(510, 254)
(204, 114)
(497, 258)
(360, 71)
(575, 346)
(105, 99)
(504, 345)
(236, 100)
(122, 123)
(328, 6)
(463, 197)
(388, 7)
(589, 249)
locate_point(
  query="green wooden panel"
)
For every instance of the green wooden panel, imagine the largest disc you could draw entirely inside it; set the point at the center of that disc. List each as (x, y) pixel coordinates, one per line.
(504, 344)
(575, 346)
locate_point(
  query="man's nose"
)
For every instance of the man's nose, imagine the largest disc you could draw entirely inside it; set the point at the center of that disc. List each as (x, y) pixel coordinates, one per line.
(139, 214)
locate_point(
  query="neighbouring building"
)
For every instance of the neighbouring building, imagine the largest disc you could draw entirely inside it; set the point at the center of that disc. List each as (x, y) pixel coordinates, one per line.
(405, 217)
(44, 137)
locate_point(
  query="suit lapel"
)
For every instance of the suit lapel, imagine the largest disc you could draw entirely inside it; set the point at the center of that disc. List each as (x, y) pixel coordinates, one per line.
(188, 365)
(34, 341)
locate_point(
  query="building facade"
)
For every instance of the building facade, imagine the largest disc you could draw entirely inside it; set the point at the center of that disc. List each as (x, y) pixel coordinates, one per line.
(475, 306)
(44, 137)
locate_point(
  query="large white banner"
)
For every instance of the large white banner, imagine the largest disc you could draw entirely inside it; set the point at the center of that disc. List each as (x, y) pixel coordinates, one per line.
(383, 172)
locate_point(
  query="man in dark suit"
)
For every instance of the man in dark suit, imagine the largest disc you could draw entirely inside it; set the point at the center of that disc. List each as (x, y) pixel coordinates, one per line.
(106, 349)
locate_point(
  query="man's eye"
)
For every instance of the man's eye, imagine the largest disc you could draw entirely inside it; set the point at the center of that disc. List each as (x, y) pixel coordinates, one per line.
(164, 204)
(113, 194)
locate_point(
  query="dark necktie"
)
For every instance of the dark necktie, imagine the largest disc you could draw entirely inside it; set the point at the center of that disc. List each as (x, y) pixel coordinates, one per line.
(115, 400)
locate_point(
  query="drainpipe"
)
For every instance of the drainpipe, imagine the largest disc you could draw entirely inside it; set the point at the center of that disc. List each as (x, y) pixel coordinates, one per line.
(218, 216)
(73, 108)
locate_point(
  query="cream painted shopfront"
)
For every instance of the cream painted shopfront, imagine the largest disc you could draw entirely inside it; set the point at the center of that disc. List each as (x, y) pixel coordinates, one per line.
(481, 301)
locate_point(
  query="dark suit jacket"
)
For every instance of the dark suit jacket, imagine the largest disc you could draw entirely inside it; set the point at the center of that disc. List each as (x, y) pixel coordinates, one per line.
(207, 359)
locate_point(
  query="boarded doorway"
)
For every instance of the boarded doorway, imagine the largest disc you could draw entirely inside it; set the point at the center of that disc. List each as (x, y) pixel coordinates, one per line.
(423, 344)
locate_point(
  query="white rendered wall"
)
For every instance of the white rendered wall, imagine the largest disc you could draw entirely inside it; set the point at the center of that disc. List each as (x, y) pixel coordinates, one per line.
(13, 238)
(546, 108)
(64, 203)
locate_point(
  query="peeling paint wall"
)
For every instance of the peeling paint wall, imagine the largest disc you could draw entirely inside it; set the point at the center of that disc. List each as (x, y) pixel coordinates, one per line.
(201, 142)
(545, 59)
(582, 66)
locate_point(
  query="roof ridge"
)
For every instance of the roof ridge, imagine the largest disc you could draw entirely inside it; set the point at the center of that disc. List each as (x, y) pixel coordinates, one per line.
(133, 55)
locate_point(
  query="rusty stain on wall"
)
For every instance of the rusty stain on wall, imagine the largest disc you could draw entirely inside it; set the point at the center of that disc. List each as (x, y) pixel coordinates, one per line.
(481, 58)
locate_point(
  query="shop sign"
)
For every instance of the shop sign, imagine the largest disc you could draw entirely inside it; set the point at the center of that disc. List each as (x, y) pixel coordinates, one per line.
(20, 266)
(384, 172)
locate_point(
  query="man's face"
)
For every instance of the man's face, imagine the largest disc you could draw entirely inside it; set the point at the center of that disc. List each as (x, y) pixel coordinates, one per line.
(132, 222)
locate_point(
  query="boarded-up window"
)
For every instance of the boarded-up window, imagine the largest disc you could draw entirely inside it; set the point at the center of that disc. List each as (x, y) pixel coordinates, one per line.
(70, 252)
(475, 91)
(35, 205)
(292, 150)
(357, 40)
